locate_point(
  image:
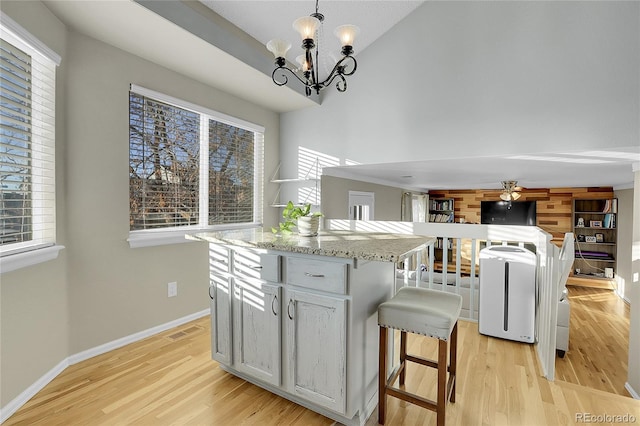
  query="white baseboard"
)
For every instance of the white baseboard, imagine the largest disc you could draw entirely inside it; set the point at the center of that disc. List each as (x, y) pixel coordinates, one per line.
(15, 404)
(631, 391)
(115, 344)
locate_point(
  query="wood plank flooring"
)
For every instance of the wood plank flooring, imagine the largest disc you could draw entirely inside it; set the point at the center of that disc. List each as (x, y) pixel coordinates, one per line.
(170, 379)
(598, 341)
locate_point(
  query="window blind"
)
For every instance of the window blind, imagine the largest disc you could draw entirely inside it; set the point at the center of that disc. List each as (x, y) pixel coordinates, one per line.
(190, 166)
(27, 145)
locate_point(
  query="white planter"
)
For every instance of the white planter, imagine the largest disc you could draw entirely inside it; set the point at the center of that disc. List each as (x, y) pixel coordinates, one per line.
(308, 226)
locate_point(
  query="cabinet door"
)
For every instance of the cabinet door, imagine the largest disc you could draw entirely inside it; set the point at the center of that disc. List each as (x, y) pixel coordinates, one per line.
(220, 295)
(257, 335)
(316, 348)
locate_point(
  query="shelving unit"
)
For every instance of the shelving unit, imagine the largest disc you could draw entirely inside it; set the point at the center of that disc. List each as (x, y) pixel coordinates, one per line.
(596, 234)
(441, 210)
(312, 176)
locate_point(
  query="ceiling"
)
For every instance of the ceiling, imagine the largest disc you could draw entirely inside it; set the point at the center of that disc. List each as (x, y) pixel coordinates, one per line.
(150, 34)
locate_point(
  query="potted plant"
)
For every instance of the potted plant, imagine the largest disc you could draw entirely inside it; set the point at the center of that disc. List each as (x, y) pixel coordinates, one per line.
(301, 217)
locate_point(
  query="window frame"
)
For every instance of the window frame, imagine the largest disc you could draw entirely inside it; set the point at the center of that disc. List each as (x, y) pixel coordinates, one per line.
(23, 254)
(176, 235)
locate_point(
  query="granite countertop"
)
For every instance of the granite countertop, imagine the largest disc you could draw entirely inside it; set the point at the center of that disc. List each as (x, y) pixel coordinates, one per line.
(346, 244)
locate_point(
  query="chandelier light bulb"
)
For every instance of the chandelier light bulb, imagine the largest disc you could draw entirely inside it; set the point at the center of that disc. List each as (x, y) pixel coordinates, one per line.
(304, 65)
(306, 26)
(346, 34)
(278, 47)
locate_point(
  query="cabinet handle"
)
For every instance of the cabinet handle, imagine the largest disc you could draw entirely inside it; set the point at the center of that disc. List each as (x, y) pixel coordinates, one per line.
(211, 296)
(289, 309)
(256, 267)
(275, 299)
(314, 275)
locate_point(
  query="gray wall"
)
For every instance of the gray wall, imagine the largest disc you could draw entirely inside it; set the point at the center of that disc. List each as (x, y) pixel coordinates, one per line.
(34, 302)
(461, 79)
(100, 289)
(335, 198)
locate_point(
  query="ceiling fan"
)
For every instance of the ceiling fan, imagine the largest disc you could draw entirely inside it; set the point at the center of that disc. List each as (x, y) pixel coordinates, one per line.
(510, 190)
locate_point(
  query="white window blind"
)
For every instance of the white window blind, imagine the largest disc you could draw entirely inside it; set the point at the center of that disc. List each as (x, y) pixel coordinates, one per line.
(27, 141)
(191, 167)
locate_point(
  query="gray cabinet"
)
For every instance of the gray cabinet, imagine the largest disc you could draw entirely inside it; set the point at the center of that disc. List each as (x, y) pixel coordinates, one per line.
(220, 283)
(256, 329)
(316, 348)
(282, 321)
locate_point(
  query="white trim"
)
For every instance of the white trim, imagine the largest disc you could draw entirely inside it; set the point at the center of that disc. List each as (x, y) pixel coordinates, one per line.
(118, 343)
(631, 391)
(219, 116)
(20, 32)
(29, 258)
(151, 238)
(15, 404)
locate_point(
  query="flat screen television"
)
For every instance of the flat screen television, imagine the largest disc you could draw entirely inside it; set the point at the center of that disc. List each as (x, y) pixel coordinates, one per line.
(508, 213)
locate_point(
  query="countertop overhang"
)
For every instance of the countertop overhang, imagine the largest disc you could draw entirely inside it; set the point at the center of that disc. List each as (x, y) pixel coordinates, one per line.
(376, 246)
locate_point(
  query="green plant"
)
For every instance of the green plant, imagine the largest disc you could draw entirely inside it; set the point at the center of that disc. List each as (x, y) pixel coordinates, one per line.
(291, 213)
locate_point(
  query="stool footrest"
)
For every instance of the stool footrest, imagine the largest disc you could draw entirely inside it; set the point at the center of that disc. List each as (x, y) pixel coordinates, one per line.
(423, 361)
(412, 398)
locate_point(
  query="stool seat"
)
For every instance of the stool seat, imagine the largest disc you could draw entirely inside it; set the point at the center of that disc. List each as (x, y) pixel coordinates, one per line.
(431, 313)
(421, 311)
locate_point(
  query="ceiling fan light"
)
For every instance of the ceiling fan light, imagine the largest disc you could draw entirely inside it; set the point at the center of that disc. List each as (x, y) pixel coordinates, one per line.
(505, 196)
(515, 196)
(306, 26)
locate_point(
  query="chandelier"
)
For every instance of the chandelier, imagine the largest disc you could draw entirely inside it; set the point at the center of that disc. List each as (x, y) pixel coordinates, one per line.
(308, 73)
(510, 190)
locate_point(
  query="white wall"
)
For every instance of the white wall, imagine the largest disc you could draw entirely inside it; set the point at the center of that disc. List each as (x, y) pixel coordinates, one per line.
(461, 79)
(624, 275)
(633, 377)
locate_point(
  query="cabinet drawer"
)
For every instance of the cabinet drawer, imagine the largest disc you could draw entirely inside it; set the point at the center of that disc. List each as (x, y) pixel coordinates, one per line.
(218, 258)
(317, 274)
(253, 264)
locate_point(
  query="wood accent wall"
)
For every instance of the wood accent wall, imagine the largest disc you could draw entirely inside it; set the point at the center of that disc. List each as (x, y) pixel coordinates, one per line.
(553, 205)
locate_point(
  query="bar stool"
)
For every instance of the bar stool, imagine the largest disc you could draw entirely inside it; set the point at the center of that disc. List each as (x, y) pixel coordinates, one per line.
(431, 313)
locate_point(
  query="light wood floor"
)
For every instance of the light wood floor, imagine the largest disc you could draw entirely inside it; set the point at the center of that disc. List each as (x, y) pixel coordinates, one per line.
(169, 379)
(598, 341)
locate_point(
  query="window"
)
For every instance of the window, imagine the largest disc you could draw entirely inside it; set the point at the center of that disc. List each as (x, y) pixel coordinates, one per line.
(190, 167)
(27, 141)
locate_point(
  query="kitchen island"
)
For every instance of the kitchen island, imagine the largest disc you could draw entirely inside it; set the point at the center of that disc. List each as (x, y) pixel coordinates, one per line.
(298, 315)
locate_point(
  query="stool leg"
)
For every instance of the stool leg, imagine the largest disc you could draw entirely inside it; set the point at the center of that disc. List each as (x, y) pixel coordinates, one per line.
(442, 382)
(382, 376)
(453, 360)
(403, 356)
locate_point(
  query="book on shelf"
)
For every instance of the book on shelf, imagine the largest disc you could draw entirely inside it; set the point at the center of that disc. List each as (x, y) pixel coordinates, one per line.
(609, 221)
(610, 206)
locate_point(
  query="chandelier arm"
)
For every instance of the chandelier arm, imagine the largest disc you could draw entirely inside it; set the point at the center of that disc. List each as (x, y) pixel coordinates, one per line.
(338, 71)
(286, 80)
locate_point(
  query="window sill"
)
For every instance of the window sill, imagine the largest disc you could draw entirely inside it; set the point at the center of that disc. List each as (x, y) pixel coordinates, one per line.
(28, 258)
(139, 239)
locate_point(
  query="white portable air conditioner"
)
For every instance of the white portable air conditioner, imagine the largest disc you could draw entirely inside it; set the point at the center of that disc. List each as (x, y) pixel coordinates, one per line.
(507, 293)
